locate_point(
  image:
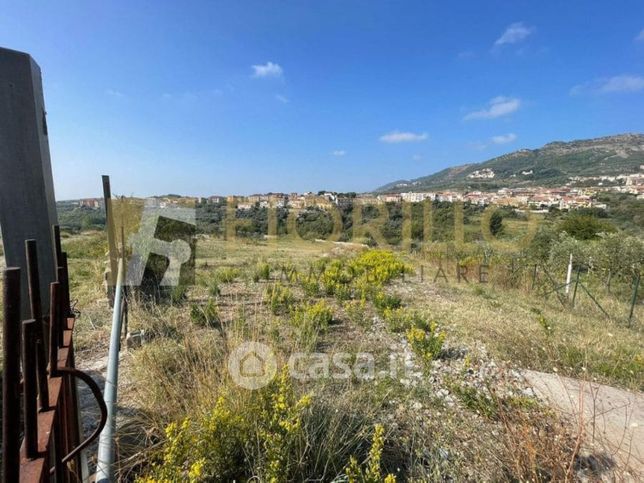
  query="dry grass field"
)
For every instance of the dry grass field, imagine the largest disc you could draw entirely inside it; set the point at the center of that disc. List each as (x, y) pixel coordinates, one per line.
(397, 377)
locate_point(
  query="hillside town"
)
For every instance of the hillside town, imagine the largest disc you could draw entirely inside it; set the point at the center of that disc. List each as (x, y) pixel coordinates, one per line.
(570, 196)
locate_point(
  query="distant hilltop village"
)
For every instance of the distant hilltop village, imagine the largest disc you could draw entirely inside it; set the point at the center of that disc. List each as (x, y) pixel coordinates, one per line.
(579, 192)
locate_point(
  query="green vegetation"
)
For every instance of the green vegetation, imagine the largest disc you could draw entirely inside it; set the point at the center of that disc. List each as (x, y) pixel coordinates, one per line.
(551, 165)
(190, 421)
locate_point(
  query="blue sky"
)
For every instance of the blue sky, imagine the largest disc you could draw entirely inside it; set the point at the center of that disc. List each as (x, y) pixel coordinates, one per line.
(204, 97)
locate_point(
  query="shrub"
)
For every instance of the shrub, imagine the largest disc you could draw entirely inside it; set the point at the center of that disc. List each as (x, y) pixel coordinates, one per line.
(318, 315)
(381, 266)
(225, 444)
(178, 293)
(208, 447)
(310, 286)
(227, 274)
(289, 271)
(279, 427)
(213, 288)
(205, 316)
(400, 319)
(262, 272)
(585, 227)
(371, 472)
(426, 342)
(383, 301)
(336, 277)
(279, 298)
(355, 310)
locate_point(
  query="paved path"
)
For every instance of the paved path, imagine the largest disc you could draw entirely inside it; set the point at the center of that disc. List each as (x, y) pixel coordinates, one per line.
(614, 418)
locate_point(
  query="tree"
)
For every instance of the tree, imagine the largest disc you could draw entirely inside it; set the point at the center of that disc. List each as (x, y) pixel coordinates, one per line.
(585, 227)
(496, 223)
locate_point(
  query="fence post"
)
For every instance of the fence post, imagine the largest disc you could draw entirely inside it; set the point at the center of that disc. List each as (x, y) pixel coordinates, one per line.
(30, 387)
(422, 273)
(54, 327)
(636, 286)
(569, 275)
(11, 376)
(574, 293)
(33, 280)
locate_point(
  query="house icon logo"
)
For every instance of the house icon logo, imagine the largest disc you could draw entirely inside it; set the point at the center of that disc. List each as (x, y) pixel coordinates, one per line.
(252, 365)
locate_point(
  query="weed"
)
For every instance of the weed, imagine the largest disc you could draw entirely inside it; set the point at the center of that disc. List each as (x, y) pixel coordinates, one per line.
(205, 316)
(227, 274)
(355, 310)
(383, 301)
(279, 298)
(262, 272)
(213, 287)
(426, 342)
(370, 472)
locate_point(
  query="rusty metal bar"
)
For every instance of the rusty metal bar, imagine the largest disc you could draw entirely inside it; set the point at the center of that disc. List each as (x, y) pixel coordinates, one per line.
(61, 301)
(30, 387)
(57, 245)
(111, 236)
(11, 376)
(67, 309)
(35, 302)
(54, 327)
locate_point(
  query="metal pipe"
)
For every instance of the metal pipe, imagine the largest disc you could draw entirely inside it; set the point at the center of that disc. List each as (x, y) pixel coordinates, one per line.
(11, 376)
(105, 460)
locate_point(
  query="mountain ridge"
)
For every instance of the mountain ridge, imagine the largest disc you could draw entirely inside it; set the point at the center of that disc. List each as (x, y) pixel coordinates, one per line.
(550, 165)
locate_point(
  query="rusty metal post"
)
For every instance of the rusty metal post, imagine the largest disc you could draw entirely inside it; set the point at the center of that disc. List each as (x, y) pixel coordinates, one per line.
(33, 280)
(67, 308)
(11, 376)
(61, 302)
(30, 387)
(57, 245)
(54, 327)
(111, 236)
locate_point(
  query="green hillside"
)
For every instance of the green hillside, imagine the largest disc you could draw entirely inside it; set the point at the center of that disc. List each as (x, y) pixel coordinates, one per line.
(552, 165)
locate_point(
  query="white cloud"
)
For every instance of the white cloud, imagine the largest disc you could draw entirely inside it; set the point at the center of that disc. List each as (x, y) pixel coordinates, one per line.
(282, 99)
(339, 152)
(115, 93)
(267, 70)
(402, 137)
(640, 37)
(504, 138)
(610, 85)
(515, 33)
(417, 157)
(498, 107)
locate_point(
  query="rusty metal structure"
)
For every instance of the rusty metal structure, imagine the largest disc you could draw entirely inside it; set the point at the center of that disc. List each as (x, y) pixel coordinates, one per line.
(42, 438)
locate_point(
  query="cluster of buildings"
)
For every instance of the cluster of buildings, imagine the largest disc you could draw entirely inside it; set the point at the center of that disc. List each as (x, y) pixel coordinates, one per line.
(570, 196)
